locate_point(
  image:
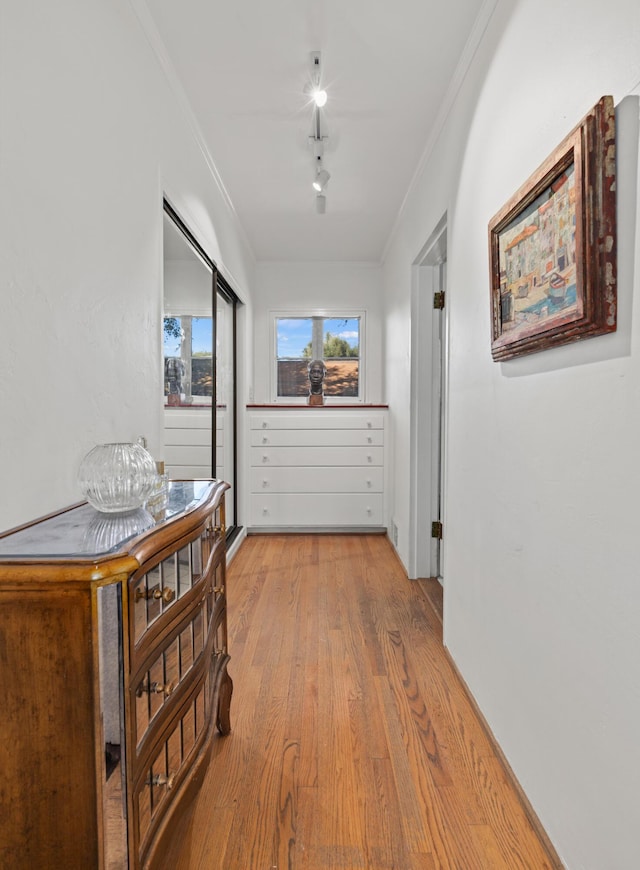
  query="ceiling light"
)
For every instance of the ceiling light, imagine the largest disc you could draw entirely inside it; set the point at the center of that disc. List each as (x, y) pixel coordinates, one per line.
(320, 98)
(321, 180)
(321, 203)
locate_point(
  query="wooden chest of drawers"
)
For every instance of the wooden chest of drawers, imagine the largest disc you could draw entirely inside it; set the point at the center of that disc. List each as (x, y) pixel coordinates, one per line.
(113, 663)
(317, 469)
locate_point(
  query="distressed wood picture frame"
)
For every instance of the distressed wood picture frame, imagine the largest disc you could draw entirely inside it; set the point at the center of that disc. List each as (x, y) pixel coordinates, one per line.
(552, 246)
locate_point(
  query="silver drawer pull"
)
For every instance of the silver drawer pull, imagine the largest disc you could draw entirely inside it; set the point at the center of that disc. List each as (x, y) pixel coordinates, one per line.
(369, 458)
(368, 483)
(264, 425)
(370, 439)
(265, 440)
(369, 426)
(265, 458)
(265, 482)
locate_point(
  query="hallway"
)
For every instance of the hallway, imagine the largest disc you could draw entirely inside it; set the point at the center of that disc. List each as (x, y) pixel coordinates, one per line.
(353, 743)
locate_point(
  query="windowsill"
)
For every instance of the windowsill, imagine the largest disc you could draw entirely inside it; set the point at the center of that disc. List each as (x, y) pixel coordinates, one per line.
(187, 406)
(327, 407)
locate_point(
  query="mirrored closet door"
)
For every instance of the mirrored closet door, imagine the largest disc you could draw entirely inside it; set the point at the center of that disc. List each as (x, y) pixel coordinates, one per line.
(188, 341)
(199, 358)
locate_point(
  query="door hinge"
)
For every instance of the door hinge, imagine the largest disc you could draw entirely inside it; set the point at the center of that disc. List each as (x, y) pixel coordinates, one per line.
(436, 530)
(438, 300)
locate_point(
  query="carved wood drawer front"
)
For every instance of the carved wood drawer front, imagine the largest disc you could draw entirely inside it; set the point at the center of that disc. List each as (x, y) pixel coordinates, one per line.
(169, 766)
(157, 591)
(168, 671)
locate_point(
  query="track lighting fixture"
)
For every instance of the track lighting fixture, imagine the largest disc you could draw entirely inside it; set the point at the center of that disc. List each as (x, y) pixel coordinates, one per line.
(317, 140)
(321, 180)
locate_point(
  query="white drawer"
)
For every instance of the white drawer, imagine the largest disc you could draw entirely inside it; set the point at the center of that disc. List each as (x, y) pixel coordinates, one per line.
(184, 463)
(316, 419)
(186, 418)
(176, 454)
(189, 472)
(310, 456)
(339, 480)
(317, 437)
(317, 509)
(191, 437)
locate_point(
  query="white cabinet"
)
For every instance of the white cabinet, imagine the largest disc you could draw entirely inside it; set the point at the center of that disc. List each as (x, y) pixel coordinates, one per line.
(188, 443)
(317, 469)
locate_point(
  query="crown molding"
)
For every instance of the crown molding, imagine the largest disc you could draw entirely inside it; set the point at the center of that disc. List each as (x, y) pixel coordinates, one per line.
(471, 46)
(158, 47)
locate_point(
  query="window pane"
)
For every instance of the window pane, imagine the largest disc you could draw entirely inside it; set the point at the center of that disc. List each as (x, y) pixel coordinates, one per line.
(294, 337)
(293, 378)
(341, 337)
(341, 351)
(201, 356)
(342, 378)
(172, 336)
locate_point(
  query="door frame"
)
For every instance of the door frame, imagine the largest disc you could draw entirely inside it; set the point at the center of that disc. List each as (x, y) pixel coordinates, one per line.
(425, 275)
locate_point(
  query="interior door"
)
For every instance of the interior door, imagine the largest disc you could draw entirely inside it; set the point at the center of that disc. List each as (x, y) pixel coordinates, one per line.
(438, 417)
(427, 420)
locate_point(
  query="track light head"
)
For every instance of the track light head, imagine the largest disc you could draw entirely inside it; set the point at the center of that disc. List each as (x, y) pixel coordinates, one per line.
(319, 97)
(321, 203)
(321, 180)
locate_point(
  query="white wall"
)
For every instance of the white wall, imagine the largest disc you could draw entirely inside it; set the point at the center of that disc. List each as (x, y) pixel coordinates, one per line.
(92, 135)
(308, 287)
(542, 598)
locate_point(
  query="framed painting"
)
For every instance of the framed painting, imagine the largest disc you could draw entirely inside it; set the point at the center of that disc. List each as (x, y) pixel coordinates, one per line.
(552, 247)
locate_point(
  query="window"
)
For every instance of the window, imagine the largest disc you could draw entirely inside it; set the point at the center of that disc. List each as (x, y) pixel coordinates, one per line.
(337, 340)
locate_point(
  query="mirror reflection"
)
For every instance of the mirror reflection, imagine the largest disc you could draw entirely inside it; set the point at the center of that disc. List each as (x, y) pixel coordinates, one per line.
(188, 329)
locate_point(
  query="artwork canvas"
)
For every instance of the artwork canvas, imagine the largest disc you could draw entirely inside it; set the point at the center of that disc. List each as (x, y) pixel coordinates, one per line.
(552, 246)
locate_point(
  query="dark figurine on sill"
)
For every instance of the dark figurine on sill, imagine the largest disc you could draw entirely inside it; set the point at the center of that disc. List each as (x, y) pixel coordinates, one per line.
(317, 371)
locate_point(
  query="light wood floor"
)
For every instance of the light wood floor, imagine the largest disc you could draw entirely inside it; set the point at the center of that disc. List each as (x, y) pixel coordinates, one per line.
(354, 744)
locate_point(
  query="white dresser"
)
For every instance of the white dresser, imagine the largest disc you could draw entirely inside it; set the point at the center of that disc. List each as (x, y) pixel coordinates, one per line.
(317, 469)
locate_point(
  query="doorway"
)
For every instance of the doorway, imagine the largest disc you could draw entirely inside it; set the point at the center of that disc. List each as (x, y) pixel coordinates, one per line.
(428, 411)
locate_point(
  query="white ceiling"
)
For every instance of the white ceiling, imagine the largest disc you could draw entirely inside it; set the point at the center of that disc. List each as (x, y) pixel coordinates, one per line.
(244, 65)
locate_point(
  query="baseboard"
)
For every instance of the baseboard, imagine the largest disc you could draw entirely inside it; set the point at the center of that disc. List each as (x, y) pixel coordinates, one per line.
(531, 814)
(316, 530)
(234, 546)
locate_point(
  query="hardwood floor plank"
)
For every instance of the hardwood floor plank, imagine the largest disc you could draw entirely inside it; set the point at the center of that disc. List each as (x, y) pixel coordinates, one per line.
(354, 743)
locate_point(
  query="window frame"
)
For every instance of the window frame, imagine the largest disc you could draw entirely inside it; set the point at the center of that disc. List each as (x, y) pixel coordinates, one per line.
(324, 313)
